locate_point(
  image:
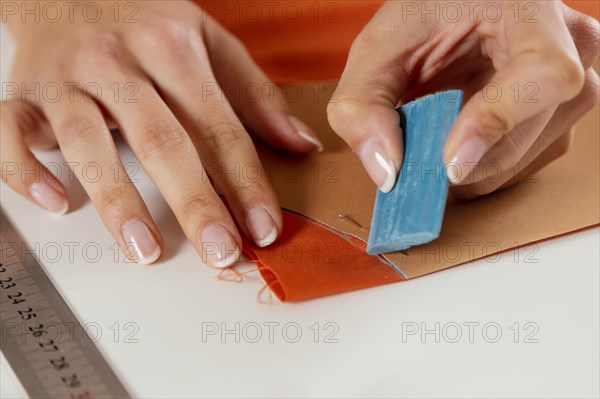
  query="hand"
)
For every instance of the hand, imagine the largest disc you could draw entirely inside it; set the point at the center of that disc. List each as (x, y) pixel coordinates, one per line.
(526, 66)
(175, 83)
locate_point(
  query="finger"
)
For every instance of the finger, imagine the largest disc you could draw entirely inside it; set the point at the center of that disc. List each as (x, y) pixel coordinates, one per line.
(257, 101)
(566, 116)
(21, 171)
(503, 155)
(492, 178)
(551, 153)
(543, 57)
(224, 146)
(37, 132)
(86, 143)
(362, 111)
(165, 150)
(557, 149)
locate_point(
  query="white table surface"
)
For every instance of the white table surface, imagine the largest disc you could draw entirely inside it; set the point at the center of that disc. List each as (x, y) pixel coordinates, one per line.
(554, 286)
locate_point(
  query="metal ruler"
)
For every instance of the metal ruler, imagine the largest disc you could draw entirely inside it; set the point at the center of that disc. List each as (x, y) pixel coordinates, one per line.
(46, 346)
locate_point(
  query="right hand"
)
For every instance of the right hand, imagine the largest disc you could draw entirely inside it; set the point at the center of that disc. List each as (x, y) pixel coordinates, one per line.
(539, 69)
(172, 66)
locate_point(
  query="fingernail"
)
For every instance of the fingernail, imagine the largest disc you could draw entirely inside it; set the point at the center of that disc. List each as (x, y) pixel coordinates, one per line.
(466, 157)
(261, 226)
(306, 133)
(378, 164)
(48, 198)
(140, 241)
(218, 246)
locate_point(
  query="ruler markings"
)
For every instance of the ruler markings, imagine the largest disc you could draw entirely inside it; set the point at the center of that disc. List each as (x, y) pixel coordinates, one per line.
(69, 365)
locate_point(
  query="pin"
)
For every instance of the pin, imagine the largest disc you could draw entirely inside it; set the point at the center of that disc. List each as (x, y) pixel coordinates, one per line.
(351, 221)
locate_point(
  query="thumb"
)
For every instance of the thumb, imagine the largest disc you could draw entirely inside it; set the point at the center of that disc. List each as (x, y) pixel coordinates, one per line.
(362, 110)
(372, 129)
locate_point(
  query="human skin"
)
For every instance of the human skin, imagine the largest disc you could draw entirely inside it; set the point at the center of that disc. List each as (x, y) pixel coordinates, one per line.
(162, 62)
(534, 57)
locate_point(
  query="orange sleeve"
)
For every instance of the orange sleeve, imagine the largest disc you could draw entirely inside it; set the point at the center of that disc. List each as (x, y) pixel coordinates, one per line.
(295, 41)
(307, 40)
(589, 7)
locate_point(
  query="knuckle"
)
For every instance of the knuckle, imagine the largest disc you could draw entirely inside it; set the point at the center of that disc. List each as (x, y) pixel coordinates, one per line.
(170, 36)
(495, 122)
(77, 129)
(112, 199)
(194, 205)
(347, 108)
(567, 73)
(101, 47)
(161, 138)
(223, 137)
(248, 192)
(340, 110)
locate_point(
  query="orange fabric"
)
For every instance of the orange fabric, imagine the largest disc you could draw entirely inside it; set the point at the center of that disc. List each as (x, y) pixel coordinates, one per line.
(589, 7)
(307, 40)
(311, 260)
(295, 41)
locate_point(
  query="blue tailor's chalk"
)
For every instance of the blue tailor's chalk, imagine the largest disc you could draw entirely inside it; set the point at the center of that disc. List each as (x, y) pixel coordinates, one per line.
(412, 212)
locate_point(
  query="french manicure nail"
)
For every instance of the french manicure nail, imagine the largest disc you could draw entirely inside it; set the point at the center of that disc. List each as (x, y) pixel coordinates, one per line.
(261, 226)
(467, 155)
(48, 198)
(378, 164)
(305, 132)
(218, 246)
(140, 241)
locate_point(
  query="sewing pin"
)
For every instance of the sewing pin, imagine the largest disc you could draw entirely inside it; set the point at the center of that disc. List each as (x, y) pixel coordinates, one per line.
(351, 221)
